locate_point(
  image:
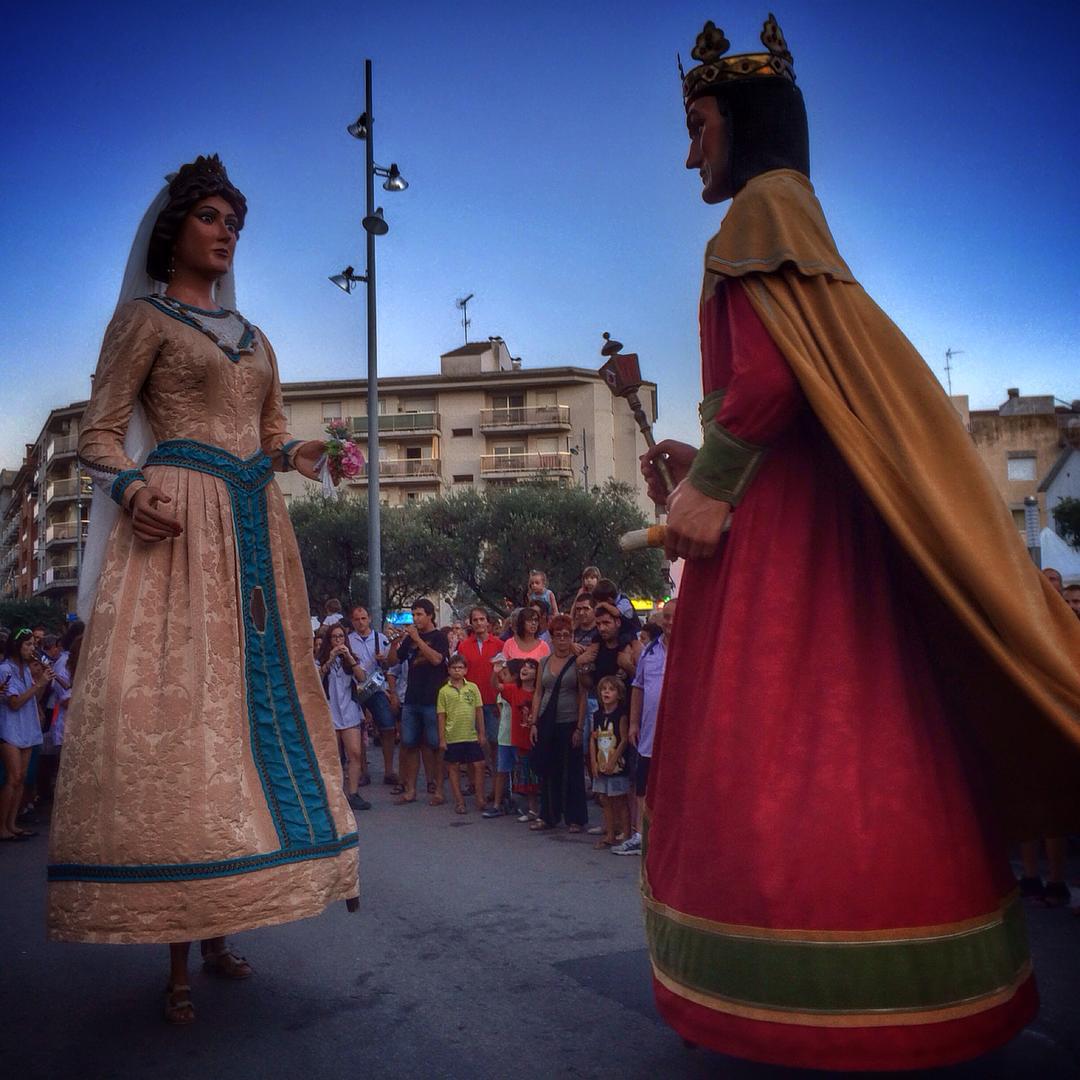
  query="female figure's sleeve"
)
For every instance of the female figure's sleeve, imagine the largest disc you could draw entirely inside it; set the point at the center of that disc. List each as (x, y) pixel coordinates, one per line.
(762, 398)
(132, 342)
(273, 430)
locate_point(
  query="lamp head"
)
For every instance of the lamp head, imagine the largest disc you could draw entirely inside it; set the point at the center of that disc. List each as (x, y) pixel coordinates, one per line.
(376, 223)
(394, 180)
(358, 129)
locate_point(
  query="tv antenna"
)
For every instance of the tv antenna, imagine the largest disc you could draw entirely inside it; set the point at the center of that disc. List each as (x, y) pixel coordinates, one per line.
(949, 354)
(463, 307)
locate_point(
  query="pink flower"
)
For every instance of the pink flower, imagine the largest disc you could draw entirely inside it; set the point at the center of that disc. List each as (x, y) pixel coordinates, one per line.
(352, 460)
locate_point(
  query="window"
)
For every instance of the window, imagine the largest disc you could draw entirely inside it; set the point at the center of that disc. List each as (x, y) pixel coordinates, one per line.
(461, 432)
(508, 449)
(1021, 467)
(287, 409)
(545, 397)
(331, 410)
(547, 445)
(508, 401)
(417, 405)
(463, 478)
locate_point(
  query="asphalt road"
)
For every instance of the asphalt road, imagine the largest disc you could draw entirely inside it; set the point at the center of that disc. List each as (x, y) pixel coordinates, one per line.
(480, 950)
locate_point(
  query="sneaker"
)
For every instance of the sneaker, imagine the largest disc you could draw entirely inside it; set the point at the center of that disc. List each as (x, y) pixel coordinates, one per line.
(491, 811)
(596, 830)
(632, 846)
(524, 816)
(358, 802)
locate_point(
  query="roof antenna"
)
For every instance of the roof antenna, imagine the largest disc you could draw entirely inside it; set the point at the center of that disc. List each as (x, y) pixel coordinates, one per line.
(463, 307)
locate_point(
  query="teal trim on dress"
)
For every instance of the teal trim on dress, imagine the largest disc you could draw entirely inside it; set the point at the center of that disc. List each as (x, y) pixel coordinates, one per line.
(153, 872)
(120, 484)
(246, 339)
(280, 744)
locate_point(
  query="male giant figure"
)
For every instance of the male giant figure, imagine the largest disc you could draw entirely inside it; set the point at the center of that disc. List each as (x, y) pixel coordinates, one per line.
(878, 689)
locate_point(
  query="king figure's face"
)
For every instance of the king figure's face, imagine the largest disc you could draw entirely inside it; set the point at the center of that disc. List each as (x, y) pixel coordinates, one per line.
(710, 148)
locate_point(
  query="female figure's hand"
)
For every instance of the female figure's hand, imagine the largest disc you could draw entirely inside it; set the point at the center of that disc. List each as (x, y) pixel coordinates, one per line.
(147, 522)
(575, 739)
(307, 456)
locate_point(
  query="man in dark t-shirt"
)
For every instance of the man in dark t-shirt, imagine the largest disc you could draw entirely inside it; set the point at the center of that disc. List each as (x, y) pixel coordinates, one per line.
(427, 651)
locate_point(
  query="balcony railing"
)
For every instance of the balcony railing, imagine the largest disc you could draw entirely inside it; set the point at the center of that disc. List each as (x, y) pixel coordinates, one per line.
(63, 444)
(525, 417)
(405, 469)
(409, 423)
(61, 531)
(68, 489)
(525, 463)
(62, 574)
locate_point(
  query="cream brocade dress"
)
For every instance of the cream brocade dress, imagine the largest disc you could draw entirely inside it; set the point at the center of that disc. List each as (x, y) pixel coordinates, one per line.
(200, 789)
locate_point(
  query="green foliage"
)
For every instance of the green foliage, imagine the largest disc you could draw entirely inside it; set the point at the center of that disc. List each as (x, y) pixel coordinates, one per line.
(1067, 519)
(477, 544)
(16, 613)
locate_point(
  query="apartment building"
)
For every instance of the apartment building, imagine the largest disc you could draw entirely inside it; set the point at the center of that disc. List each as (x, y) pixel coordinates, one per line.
(44, 513)
(482, 420)
(1020, 441)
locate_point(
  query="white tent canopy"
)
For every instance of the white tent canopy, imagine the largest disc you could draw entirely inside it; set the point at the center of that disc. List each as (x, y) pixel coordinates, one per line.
(1056, 553)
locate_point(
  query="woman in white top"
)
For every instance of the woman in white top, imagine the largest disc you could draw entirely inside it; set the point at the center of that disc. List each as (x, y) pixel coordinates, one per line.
(339, 669)
(20, 726)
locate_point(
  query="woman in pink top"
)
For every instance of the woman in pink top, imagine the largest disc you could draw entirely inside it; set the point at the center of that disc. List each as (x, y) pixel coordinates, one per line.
(524, 644)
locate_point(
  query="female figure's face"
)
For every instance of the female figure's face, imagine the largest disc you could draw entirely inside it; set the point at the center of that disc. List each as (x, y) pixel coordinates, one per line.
(207, 240)
(531, 622)
(609, 696)
(528, 673)
(561, 640)
(337, 637)
(537, 583)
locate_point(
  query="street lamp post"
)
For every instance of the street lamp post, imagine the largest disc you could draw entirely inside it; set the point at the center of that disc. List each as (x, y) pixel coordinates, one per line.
(374, 225)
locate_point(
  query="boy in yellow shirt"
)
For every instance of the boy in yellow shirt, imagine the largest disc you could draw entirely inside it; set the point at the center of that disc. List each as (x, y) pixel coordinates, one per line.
(460, 712)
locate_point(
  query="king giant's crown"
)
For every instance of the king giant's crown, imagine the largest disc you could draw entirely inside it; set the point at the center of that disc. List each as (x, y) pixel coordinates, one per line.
(715, 68)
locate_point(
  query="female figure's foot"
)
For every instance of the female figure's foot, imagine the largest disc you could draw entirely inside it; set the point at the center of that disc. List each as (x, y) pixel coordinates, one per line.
(218, 959)
(178, 1006)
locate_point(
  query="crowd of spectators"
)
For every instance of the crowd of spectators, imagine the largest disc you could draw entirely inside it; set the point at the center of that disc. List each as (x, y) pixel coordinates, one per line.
(529, 712)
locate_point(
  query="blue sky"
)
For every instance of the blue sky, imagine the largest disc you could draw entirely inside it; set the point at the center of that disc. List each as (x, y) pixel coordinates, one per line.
(545, 154)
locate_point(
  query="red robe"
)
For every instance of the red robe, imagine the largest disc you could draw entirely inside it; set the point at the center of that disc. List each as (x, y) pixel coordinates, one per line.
(824, 885)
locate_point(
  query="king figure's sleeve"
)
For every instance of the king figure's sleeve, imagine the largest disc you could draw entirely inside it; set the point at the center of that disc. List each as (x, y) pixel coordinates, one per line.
(760, 400)
(132, 342)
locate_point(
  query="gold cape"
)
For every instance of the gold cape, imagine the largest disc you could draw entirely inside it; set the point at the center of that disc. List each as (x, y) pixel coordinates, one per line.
(908, 449)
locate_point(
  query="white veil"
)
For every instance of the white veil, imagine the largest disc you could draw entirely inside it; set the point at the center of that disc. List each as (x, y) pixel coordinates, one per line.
(139, 439)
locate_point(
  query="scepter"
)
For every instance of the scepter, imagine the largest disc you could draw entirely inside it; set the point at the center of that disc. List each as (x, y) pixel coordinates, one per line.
(622, 373)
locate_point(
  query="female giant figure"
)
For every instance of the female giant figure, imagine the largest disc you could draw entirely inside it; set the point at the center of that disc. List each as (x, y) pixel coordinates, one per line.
(200, 792)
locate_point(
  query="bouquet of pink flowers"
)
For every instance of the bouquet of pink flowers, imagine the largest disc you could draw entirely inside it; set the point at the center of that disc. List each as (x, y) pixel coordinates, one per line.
(344, 458)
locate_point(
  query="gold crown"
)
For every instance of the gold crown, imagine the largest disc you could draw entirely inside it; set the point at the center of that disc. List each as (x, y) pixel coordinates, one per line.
(715, 68)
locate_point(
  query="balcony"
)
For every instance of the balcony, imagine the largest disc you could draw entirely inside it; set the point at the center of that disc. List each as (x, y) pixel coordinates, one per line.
(64, 575)
(526, 465)
(68, 488)
(405, 470)
(526, 418)
(61, 532)
(397, 425)
(63, 446)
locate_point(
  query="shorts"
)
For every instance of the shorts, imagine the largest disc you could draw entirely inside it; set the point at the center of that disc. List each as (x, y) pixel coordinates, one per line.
(379, 707)
(641, 775)
(507, 757)
(417, 720)
(611, 785)
(463, 753)
(491, 722)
